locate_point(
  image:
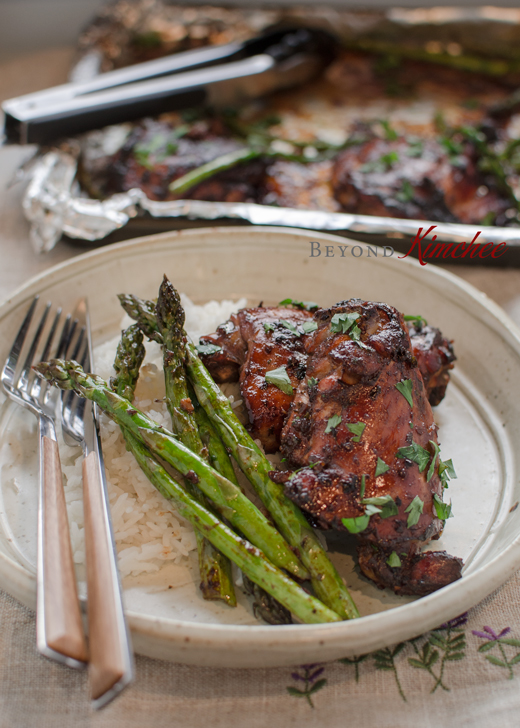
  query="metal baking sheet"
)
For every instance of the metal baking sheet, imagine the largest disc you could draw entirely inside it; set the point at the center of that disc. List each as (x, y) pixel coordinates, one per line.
(56, 205)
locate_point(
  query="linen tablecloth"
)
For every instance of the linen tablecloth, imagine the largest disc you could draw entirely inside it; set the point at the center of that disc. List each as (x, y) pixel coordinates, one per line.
(465, 673)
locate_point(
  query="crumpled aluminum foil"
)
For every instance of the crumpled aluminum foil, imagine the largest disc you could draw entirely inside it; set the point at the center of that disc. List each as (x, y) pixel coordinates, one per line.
(54, 204)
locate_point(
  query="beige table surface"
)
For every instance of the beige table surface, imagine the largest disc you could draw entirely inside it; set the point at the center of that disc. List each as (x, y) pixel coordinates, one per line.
(384, 689)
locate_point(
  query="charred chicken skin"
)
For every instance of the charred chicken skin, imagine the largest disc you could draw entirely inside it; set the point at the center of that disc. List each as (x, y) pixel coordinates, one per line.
(154, 156)
(350, 419)
(389, 178)
(256, 340)
(339, 381)
(435, 357)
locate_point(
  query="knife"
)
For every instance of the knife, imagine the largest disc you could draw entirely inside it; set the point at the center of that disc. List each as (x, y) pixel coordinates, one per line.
(111, 658)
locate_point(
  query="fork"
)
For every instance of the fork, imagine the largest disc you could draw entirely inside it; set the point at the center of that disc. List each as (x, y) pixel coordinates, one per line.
(111, 663)
(59, 627)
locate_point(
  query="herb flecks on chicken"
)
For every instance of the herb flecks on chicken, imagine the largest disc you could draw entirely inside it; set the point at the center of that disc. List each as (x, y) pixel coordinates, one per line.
(158, 152)
(363, 403)
(421, 179)
(253, 343)
(412, 573)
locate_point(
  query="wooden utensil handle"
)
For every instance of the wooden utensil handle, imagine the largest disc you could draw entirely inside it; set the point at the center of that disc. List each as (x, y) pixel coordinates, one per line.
(109, 658)
(58, 596)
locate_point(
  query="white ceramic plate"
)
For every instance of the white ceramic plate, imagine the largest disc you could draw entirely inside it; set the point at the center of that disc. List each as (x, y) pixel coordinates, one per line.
(479, 425)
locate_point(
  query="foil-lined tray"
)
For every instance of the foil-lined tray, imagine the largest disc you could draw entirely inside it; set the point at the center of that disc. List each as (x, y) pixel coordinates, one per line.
(55, 204)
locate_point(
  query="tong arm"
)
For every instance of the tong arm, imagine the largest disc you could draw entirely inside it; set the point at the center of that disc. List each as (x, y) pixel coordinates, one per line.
(273, 61)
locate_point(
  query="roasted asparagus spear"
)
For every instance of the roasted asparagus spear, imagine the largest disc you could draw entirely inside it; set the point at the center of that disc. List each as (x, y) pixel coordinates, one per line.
(129, 357)
(327, 583)
(215, 570)
(227, 497)
(247, 557)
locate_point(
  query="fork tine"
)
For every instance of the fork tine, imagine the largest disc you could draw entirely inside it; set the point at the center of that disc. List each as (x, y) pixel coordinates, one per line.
(59, 630)
(81, 357)
(78, 348)
(52, 333)
(66, 334)
(68, 349)
(73, 407)
(38, 384)
(12, 359)
(29, 359)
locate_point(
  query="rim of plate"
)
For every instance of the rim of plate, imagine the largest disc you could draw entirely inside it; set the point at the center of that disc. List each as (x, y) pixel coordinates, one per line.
(349, 636)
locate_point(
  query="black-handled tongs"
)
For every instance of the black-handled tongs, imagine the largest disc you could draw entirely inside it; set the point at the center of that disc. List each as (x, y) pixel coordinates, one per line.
(217, 76)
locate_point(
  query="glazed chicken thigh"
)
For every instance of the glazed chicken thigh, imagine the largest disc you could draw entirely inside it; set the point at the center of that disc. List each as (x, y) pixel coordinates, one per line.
(361, 428)
(253, 342)
(257, 340)
(435, 357)
(356, 424)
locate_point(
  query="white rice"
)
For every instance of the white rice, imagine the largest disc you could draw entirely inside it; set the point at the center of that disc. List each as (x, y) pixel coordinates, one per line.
(149, 532)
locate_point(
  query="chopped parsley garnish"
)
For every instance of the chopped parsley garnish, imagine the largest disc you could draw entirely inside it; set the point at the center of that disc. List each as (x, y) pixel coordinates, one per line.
(268, 327)
(332, 422)
(363, 486)
(340, 323)
(406, 192)
(389, 508)
(489, 218)
(416, 319)
(383, 164)
(345, 323)
(415, 148)
(389, 159)
(443, 510)
(310, 466)
(280, 379)
(355, 333)
(369, 167)
(309, 326)
(312, 382)
(446, 472)
(416, 454)
(383, 504)
(356, 525)
(154, 151)
(431, 469)
(292, 328)
(266, 122)
(390, 133)
(148, 39)
(381, 467)
(207, 349)
(356, 428)
(414, 510)
(393, 560)
(405, 386)
(453, 147)
(307, 305)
